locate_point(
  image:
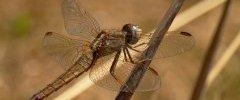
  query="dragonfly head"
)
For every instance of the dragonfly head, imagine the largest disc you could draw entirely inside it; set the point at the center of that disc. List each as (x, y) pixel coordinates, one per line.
(131, 33)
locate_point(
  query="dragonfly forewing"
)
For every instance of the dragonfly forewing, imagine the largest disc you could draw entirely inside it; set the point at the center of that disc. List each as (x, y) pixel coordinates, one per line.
(78, 21)
(175, 43)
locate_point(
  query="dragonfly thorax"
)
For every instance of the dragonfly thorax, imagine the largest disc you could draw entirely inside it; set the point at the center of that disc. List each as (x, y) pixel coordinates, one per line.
(106, 43)
(131, 33)
(97, 42)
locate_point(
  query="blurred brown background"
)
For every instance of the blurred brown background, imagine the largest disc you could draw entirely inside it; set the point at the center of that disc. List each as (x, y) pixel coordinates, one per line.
(25, 68)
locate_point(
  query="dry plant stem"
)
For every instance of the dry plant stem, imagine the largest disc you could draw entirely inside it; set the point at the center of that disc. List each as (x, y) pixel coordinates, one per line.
(220, 65)
(194, 12)
(139, 70)
(206, 66)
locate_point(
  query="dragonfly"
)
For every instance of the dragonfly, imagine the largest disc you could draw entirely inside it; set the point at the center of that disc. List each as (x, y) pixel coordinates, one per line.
(109, 54)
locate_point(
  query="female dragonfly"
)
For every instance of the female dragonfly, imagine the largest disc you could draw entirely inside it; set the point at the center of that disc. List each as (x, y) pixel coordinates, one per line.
(110, 55)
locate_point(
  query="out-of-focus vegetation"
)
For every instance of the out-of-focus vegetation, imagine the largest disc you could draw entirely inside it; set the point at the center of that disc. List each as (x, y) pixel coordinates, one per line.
(20, 26)
(25, 67)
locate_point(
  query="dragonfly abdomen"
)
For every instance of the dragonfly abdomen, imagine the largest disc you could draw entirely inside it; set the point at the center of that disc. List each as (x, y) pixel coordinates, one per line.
(82, 65)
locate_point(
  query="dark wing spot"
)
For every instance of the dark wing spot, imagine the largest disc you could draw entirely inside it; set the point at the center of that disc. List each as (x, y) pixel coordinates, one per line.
(185, 34)
(49, 33)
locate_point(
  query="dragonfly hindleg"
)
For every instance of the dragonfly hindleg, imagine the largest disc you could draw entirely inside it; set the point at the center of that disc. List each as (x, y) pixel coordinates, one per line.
(130, 47)
(113, 67)
(153, 71)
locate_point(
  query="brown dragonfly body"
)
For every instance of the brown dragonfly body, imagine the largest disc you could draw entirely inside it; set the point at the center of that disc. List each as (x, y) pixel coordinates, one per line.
(104, 44)
(110, 55)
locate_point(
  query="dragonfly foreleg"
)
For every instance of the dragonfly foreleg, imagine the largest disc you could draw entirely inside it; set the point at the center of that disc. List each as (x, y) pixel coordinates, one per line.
(125, 55)
(129, 55)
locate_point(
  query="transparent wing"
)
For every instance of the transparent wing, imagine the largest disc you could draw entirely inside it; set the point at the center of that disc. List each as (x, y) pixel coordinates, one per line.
(66, 50)
(149, 82)
(78, 21)
(100, 74)
(173, 43)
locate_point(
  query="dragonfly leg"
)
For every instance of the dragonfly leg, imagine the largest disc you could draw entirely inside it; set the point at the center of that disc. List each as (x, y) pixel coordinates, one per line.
(139, 45)
(129, 56)
(125, 55)
(130, 47)
(113, 67)
(140, 61)
(132, 61)
(153, 71)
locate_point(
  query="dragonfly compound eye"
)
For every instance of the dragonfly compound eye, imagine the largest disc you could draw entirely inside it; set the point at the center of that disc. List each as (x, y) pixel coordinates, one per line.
(132, 33)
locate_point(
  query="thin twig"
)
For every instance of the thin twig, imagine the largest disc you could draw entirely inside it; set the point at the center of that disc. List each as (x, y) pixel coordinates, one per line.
(139, 70)
(210, 55)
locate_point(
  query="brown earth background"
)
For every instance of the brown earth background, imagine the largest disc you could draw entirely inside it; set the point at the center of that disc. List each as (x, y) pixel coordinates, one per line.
(25, 67)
